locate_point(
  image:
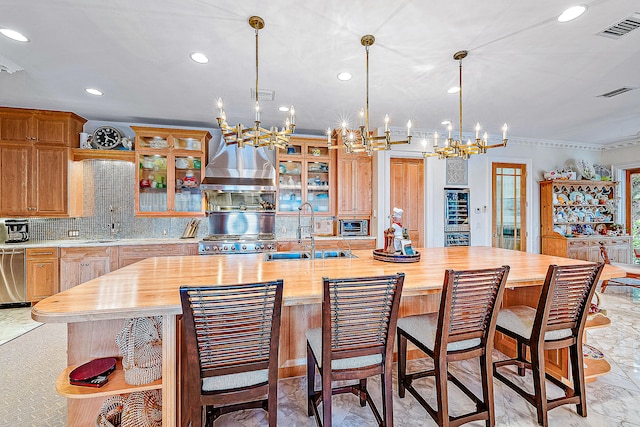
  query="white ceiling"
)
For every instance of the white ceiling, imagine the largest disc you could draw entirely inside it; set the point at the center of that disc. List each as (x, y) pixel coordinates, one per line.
(540, 76)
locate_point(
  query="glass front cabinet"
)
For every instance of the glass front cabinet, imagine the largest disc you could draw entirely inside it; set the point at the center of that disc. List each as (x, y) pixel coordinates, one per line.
(305, 170)
(170, 167)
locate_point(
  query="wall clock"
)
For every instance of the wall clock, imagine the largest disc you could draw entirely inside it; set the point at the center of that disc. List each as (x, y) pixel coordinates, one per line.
(106, 137)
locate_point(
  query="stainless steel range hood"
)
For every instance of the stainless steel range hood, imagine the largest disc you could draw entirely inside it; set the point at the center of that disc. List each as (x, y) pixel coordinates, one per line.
(231, 168)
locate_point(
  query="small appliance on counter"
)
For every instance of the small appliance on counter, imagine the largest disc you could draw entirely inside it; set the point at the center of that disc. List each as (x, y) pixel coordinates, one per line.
(17, 230)
(353, 227)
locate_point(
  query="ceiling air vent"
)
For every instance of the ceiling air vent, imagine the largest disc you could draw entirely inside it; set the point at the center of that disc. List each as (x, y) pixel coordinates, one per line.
(622, 28)
(616, 92)
(263, 94)
(9, 66)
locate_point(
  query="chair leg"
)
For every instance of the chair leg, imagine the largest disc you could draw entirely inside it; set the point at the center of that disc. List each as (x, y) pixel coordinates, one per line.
(272, 404)
(363, 392)
(539, 384)
(402, 363)
(196, 413)
(442, 392)
(326, 398)
(387, 398)
(311, 382)
(486, 375)
(577, 370)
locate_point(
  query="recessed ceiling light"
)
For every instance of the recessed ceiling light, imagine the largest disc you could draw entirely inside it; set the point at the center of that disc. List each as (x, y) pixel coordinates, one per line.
(93, 91)
(200, 58)
(445, 122)
(344, 76)
(14, 35)
(283, 108)
(454, 89)
(572, 13)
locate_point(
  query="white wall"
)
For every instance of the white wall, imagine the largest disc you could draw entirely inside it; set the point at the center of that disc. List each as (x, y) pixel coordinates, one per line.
(538, 156)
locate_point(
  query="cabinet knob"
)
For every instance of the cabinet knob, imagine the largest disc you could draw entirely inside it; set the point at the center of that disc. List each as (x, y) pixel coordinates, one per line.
(40, 265)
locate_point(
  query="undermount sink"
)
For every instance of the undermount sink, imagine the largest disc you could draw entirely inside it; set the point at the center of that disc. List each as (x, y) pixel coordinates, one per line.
(281, 256)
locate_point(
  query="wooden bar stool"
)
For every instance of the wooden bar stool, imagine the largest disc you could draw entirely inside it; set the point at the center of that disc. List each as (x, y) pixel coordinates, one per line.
(632, 272)
(557, 323)
(353, 343)
(231, 336)
(462, 329)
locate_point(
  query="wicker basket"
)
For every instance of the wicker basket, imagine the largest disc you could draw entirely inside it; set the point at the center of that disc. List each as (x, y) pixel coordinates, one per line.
(111, 412)
(143, 409)
(140, 342)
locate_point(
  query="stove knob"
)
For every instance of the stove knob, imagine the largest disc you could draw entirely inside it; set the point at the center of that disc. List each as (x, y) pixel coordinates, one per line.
(215, 248)
(244, 247)
(269, 246)
(260, 247)
(226, 248)
(233, 248)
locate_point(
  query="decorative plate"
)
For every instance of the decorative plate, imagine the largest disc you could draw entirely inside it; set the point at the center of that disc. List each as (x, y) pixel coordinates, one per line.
(577, 197)
(562, 199)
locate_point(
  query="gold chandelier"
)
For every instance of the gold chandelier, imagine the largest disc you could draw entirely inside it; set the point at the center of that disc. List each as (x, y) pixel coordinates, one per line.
(363, 140)
(256, 136)
(457, 148)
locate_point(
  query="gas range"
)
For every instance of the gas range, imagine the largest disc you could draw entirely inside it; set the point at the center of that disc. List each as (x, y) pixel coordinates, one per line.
(235, 244)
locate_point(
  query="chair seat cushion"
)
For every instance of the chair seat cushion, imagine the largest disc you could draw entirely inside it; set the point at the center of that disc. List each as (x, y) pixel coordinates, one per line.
(232, 381)
(519, 319)
(423, 327)
(314, 338)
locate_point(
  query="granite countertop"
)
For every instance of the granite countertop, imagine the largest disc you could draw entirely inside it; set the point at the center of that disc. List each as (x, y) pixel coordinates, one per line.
(69, 243)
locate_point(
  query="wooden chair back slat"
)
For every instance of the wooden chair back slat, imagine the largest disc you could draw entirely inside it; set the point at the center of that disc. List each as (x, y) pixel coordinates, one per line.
(467, 304)
(566, 296)
(359, 312)
(233, 325)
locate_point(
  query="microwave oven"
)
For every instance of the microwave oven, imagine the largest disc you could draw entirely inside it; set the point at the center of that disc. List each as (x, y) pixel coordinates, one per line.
(353, 227)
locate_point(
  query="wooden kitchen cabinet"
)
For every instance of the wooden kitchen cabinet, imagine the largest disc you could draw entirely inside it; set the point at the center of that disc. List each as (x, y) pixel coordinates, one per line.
(42, 271)
(342, 244)
(305, 172)
(40, 126)
(34, 157)
(354, 185)
(128, 254)
(171, 164)
(78, 265)
(571, 211)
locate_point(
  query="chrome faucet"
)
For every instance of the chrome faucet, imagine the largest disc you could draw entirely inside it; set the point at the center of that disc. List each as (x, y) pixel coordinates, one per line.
(311, 227)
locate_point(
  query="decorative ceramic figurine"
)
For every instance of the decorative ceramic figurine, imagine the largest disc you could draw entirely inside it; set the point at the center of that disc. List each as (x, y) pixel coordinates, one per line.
(397, 228)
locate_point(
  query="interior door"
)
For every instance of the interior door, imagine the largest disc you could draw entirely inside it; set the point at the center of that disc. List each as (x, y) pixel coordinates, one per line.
(509, 197)
(407, 193)
(632, 195)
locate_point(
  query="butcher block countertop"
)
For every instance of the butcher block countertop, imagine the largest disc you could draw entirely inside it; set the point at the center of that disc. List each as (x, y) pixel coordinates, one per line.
(150, 287)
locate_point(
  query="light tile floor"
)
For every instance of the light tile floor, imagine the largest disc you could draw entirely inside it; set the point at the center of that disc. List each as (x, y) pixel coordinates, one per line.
(613, 400)
(15, 322)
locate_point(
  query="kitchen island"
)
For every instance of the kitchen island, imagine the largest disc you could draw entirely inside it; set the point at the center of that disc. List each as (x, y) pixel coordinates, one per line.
(96, 310)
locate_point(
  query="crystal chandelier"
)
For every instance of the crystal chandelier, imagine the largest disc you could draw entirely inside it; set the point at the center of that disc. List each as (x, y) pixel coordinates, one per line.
(457, 148)
(363, 140)
(256, 136)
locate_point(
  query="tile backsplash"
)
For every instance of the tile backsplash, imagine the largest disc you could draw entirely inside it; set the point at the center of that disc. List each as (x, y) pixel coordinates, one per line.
(108, 196)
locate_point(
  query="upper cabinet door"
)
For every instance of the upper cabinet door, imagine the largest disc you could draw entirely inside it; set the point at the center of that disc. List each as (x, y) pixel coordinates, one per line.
(50, 130)
(50, 180)
(16, 127)
(15, 179)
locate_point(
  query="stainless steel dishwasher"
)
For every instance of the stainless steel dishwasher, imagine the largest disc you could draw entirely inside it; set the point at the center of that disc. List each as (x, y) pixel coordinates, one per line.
(13, 289)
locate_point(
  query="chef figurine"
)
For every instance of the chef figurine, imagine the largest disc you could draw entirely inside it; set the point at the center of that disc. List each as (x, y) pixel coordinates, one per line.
(396, 225)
